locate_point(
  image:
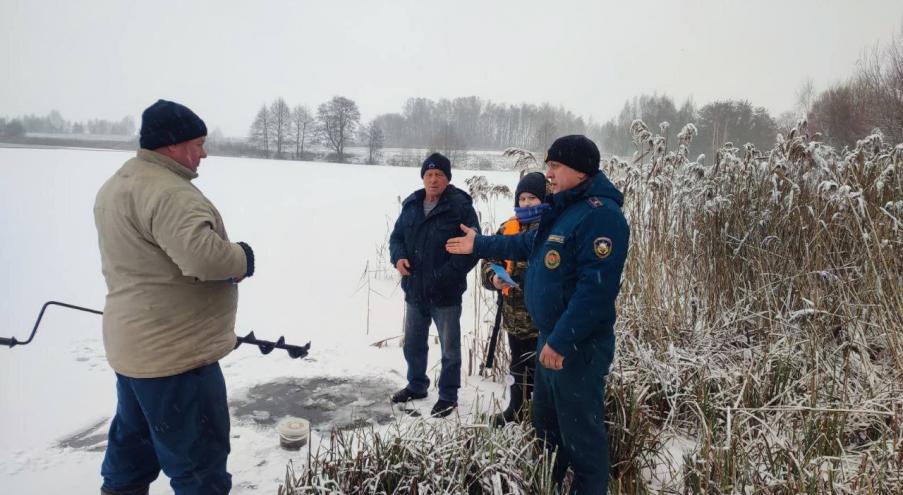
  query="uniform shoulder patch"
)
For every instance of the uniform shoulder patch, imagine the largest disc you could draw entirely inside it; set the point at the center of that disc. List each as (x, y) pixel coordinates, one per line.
(594, 202)
(602, 246)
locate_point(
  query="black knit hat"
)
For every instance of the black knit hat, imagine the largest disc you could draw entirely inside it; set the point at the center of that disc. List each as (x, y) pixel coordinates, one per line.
(436, 161)
(167, 122)
(533, 183)
(575, 151)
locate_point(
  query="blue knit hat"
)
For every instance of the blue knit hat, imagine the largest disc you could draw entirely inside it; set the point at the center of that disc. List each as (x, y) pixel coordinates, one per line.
(167, 122)
(436, 161)
(534, 183)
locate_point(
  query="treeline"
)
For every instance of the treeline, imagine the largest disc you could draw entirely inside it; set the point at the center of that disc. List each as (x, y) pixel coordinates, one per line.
(469, 123)
(871, 98)
(280, 131)
(474, 123)
(839, 115)
(54, 123)
(735, 121)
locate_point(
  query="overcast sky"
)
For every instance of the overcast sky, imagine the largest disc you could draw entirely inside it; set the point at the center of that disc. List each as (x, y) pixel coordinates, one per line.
(111, 58)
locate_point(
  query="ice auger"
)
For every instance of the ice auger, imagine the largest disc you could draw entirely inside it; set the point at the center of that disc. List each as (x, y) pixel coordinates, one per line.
(265, 346)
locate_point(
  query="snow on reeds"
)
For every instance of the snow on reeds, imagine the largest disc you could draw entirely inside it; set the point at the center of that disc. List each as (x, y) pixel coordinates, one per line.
(760, 339)
(762, 316)
(426, 456)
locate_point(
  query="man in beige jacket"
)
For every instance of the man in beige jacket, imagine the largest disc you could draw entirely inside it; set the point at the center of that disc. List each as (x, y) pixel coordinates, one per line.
(169, 318)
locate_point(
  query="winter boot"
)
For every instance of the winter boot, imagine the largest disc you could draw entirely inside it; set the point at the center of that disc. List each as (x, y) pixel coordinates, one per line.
(134, 491)
(443, 408)
(515, 404)
(405, 395)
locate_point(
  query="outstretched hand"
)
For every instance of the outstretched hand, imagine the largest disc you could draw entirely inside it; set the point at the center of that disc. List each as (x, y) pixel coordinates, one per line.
(462, 245)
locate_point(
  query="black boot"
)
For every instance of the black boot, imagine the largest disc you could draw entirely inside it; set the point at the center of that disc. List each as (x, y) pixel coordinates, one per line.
(515, 404)
(443, 408)
(405, 395)
(134, 491)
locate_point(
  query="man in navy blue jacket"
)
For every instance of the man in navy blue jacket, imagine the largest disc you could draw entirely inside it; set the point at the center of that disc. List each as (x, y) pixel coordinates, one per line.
(576, 257)
(433, 280)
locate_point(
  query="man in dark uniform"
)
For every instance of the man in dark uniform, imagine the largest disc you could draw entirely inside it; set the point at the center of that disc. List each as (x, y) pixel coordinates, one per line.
(433, 280)
(576, 258)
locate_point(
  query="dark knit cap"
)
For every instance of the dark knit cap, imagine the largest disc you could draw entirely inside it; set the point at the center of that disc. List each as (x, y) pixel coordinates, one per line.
(167, 122)
(436, 161)
(533, 183)
(575, 151)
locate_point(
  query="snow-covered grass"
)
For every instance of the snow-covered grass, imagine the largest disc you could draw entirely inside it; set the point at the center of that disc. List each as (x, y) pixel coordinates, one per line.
(427, 456)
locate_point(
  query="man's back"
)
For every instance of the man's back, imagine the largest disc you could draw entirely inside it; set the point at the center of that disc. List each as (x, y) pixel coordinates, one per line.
(166, 260)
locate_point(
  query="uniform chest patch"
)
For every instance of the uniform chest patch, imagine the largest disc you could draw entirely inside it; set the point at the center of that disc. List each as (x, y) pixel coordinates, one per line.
(556, 238)
(553, 259)
(602, 247)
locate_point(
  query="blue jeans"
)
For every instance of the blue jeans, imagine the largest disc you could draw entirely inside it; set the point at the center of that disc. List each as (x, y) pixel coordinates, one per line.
(416, 335)
(568, 415)
(178, 423)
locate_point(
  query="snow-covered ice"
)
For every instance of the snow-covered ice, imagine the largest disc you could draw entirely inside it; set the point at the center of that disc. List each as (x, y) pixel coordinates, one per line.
(314, 228)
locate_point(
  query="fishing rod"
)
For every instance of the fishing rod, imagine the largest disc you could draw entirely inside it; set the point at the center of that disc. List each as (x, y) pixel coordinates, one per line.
(494, 337)
(265, 346)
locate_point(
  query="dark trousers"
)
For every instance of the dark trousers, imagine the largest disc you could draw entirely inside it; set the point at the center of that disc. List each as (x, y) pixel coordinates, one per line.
(568, 410)
(179, 424)
(416, 348)
(523, 366)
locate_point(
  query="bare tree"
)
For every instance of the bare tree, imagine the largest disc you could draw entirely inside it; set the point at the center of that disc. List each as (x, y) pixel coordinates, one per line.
(13, 128)
(260, 131)
(302, 122)
(339, 118)
(735, 121)
(544, 135)
(786, 121)
(281, 120)
(447, 141)
(879, 81)
(872, 98)
(805, 95)
(372, 136)
(840, 113)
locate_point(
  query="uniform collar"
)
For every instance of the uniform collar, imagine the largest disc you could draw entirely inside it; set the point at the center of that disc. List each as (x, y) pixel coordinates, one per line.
(564, 199)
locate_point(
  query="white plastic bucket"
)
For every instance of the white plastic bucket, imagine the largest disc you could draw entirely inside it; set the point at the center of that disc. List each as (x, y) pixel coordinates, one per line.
(293, 432)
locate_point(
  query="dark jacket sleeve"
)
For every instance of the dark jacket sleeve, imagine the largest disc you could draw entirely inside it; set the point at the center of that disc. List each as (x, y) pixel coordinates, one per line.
(460, 263)
(397, 249)
(591, 306)
(509, 247)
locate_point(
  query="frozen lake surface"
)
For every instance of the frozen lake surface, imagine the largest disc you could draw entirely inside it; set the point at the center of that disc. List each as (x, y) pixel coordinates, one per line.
(315, 228)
